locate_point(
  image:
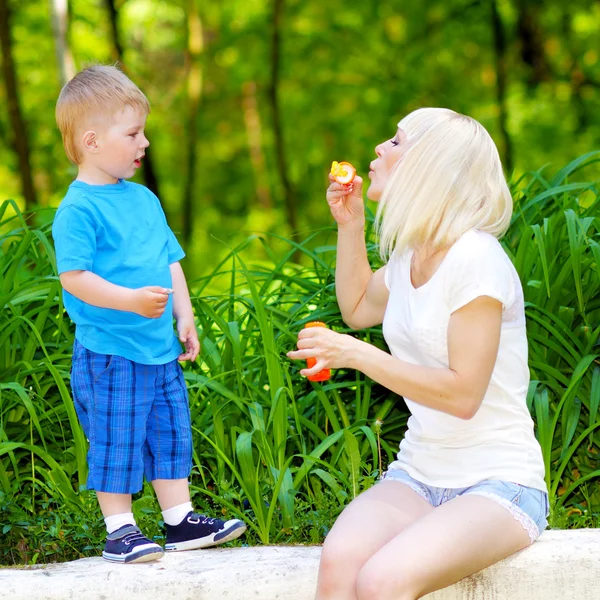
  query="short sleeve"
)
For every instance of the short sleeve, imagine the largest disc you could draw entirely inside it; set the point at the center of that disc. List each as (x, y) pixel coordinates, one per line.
(74, 233)
(174, 249)
(389, 271)
(480, 270)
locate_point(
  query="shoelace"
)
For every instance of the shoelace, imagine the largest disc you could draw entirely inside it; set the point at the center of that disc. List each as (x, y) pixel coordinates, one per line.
(196, 518)
(133, 537)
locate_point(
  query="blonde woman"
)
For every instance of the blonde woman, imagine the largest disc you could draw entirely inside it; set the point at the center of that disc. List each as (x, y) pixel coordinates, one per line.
(467, 488)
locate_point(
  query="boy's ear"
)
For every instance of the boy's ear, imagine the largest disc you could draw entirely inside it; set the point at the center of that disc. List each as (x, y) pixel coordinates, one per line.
(90, 143)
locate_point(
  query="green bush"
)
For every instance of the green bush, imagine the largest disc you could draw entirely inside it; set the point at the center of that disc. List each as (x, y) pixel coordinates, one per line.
(279, 451)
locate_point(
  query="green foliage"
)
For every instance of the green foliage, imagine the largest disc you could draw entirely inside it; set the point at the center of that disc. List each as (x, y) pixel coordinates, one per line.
(272, 448)
(554, 242)
(347, 73)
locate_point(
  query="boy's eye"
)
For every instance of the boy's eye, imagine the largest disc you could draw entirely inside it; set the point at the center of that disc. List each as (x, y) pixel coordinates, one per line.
(394, 142)
(133, 134)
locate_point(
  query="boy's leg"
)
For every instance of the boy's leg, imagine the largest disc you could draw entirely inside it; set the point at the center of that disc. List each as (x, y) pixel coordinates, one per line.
(172, 492)
(168, 461)
(111, 413)
(455, 540)
(116, 509)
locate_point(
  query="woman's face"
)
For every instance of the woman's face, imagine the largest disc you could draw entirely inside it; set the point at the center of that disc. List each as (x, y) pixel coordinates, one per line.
(388, 155)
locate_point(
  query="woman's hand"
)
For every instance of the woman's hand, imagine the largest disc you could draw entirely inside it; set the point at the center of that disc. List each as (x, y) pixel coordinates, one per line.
(331, 350)
(346, 202)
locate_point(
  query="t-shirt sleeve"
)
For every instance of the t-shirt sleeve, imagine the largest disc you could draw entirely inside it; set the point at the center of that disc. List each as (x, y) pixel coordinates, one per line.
(389, 268)
(74, 233)
(482, 270)
(175, 250)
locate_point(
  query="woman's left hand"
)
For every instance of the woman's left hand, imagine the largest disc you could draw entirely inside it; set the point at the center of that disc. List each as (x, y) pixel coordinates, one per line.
(331, 350)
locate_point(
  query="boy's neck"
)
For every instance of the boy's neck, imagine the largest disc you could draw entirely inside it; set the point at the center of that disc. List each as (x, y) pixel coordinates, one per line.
(94, 176)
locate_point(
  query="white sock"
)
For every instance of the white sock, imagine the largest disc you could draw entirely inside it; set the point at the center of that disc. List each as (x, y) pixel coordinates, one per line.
(115, 522)
(174, 516)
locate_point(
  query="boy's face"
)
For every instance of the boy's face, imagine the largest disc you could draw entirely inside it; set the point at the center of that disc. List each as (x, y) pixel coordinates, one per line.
(115, 148)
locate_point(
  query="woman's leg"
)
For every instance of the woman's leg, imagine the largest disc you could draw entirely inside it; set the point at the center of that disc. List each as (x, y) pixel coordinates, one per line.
(369, 522)
(457, 539)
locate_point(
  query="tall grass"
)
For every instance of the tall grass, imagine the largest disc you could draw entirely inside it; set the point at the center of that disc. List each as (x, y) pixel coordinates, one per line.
(279, 451)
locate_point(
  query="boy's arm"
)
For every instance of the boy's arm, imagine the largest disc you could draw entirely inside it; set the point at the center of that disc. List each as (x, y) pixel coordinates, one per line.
(184, 314)
(149, 301)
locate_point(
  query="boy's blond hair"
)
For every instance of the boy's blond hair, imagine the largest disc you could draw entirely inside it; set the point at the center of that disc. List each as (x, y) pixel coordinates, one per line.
(103, 89)
(449, 181)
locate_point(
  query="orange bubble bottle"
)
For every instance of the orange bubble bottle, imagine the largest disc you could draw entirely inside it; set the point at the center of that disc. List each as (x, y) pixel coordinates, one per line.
(343, 172)
(325, 374)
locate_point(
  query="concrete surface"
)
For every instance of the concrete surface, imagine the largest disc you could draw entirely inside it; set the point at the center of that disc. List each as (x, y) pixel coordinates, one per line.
(561, 565)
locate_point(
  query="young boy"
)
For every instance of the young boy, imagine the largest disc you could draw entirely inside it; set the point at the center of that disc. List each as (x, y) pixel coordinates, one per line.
(118, 263)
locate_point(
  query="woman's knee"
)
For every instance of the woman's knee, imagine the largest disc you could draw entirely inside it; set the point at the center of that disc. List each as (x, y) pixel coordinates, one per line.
(375, 582)
(338, 566)
(337, 554)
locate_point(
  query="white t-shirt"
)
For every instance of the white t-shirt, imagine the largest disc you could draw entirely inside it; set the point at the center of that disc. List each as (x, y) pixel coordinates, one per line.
(498, 442)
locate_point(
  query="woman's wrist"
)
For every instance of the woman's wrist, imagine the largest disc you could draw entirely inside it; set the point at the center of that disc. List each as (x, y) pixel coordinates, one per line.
(355, 352)
(352, 228)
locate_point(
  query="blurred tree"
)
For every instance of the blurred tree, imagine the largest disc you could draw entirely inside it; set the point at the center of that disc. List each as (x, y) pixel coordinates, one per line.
(531, 37)
(500, 52)
(289, 193)
(253, 125)
(20, 140)
(118, 51)
(60, 30)
(195, 44)
(243, 131)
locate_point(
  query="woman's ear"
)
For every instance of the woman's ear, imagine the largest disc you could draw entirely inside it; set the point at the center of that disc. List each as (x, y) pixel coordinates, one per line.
(90, 143)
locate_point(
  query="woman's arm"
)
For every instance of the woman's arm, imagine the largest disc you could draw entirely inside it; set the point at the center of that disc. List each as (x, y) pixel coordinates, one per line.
(473, 340)
(361, 294)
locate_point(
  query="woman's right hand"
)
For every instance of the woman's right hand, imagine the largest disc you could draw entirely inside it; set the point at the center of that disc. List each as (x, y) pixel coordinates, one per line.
(346, 202)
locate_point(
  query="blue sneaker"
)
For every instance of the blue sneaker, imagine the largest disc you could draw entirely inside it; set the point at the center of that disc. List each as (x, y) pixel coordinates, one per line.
(129, 545)
(198, 531)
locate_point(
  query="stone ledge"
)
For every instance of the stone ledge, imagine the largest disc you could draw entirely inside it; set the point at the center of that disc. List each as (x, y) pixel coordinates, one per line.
(562, 565)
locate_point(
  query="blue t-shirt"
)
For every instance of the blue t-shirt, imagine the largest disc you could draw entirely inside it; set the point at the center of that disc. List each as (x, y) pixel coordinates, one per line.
(120, 233)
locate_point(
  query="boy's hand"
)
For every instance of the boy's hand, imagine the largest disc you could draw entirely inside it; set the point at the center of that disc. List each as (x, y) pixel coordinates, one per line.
(188, 336)
(150, 301)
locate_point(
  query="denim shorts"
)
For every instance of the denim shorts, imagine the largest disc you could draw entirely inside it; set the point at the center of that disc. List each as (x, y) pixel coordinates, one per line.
(136, 418)
(529, 506)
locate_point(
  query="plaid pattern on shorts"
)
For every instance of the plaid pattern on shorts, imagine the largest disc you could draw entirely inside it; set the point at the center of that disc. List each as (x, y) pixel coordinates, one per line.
(136, 418)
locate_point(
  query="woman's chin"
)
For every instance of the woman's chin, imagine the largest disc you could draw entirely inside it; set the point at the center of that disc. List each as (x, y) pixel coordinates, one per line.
(373, 193)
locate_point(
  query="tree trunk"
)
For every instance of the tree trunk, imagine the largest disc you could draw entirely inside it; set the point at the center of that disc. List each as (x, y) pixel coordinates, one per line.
(60, 26)
(148, 171)
(253, 129)
(17, 122)
(577, 78)
(195, 46)
(501, 81)
(288, 193)
(532, 40)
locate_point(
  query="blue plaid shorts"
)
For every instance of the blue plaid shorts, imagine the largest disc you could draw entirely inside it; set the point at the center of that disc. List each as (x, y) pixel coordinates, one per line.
(136, 418)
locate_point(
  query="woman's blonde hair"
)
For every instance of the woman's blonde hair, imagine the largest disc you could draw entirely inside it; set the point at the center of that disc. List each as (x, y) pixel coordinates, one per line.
(98, 90)
(449, 180)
